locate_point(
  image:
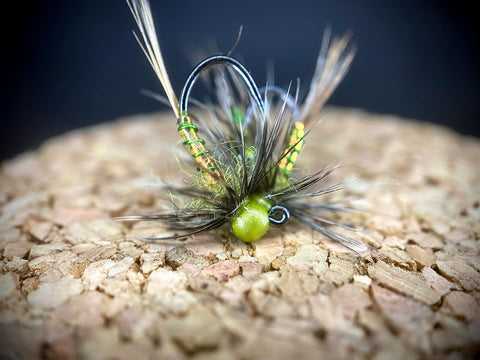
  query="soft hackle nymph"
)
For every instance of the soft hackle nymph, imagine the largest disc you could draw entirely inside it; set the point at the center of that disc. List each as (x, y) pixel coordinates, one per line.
(245, 146)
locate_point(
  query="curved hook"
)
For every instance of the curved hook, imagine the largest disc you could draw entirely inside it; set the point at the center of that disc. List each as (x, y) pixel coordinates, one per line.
(283, 95)
(225, 60)
(278, 209)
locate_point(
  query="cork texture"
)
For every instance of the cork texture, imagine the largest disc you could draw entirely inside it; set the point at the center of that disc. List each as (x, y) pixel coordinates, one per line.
(76, 285)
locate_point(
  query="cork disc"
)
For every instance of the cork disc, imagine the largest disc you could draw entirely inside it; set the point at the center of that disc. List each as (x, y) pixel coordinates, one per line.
(76, 285)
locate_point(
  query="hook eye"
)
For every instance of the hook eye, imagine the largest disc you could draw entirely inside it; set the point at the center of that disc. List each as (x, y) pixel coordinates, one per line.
(278, 215)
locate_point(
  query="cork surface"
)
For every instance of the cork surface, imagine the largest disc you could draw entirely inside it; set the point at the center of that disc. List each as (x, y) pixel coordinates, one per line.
(76, 285)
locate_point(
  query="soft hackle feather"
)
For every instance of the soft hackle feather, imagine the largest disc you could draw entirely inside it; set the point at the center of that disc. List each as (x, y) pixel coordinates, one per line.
(143, 17)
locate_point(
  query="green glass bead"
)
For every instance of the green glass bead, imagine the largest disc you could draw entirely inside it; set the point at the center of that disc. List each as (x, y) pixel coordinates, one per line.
(250, 221)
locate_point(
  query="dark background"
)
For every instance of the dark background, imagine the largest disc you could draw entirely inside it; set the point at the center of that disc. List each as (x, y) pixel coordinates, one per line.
(72, 63)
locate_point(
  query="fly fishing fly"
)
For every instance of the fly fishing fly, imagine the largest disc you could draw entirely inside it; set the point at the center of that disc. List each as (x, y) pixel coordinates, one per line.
(245, 147)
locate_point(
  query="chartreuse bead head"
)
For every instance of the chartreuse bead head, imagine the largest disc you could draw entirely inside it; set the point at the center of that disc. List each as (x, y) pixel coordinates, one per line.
(250, 221)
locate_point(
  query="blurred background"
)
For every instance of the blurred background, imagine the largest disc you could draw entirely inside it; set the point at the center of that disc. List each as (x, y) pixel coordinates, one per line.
(70, 64)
